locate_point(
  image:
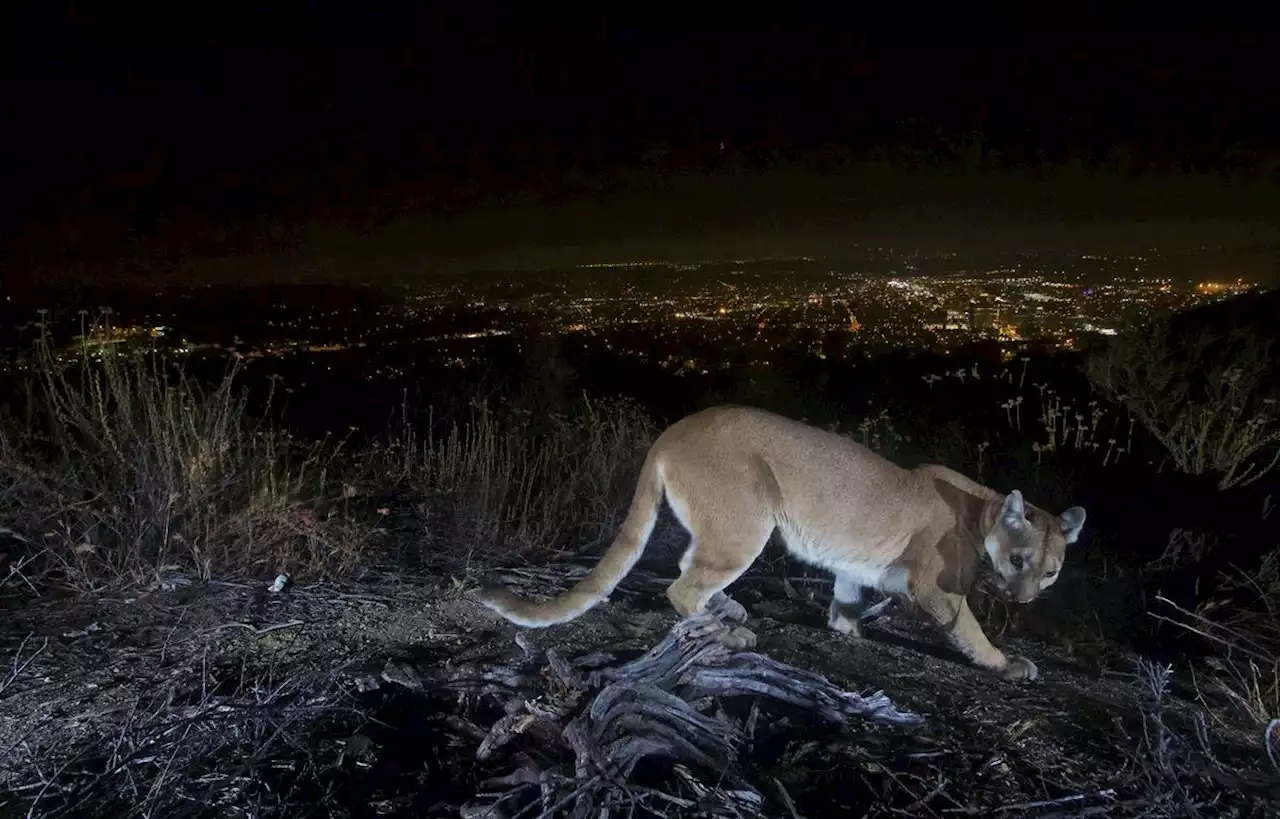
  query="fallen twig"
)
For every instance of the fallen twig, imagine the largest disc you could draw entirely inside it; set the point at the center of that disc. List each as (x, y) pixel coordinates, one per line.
(254, 629)
(1108, 794)
(20, 664)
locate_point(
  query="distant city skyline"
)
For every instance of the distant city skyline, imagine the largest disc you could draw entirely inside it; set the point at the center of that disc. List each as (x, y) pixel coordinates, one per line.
(740, 313)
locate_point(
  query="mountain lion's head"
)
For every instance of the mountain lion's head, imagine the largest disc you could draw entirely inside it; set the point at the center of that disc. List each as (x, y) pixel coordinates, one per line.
(1026, 546)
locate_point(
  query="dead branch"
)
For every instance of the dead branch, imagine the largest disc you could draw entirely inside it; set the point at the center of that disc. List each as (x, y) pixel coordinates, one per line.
(593, 727)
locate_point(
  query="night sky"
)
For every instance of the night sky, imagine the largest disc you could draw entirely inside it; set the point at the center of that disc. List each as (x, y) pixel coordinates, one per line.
(388, 143)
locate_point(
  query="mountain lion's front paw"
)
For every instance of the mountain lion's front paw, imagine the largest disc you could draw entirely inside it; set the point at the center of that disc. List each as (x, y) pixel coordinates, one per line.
(1019, 668)
(726, 609)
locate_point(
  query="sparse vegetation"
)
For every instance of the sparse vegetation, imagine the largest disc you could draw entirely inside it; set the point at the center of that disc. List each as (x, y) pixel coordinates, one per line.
(1240, 620)
(495, 482)
(119, 473)
(121, 469)
(1209, 400)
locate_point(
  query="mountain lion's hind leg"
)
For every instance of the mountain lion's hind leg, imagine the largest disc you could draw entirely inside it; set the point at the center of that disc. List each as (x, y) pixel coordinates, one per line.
(847, 603)
(718, 555)
(952, 613)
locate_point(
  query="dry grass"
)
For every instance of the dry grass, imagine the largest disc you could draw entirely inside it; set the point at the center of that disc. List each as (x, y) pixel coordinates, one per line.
(1209, 400)
(496, 480)
(122, 468)
(119, 469)
(1171, 768)
(1241, 624)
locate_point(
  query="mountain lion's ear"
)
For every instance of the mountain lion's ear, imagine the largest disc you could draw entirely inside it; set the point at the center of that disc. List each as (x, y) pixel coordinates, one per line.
(1072, 523)
(1014, 513)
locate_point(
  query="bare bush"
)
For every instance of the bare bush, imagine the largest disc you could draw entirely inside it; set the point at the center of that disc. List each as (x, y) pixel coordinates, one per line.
(495, 479)
(122, 467)
(1167, 765)
(1241, 622)
(1208, 400)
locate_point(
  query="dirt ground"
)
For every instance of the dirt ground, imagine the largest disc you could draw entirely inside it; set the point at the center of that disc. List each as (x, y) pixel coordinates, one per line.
(227, 699)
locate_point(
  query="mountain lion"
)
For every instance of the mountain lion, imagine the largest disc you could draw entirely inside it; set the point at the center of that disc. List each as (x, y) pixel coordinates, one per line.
(733, 474)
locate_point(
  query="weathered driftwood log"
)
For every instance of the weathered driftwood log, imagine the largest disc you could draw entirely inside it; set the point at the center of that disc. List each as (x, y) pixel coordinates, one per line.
(591, 726)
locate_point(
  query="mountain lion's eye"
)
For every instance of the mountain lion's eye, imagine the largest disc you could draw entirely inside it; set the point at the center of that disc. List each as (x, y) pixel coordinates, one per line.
(1050, 574)
(1016, 561)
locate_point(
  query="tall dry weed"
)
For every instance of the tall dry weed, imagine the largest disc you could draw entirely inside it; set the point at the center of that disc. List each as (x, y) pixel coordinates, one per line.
(500, 479)
(122, 467)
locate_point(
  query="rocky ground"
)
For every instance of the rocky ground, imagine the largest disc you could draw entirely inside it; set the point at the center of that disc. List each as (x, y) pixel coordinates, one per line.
(373, 697)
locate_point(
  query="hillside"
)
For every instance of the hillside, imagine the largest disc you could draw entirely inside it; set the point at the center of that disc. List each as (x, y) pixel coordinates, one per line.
(368, 698)
(152, 671)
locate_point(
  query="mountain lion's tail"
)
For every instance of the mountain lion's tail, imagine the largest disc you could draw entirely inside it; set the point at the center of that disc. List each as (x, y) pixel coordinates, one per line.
(614, 565)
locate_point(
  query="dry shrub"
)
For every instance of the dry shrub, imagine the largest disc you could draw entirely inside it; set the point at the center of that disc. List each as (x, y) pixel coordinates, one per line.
(1208, 400)
(122, 468)
(498, 478)
(1242, 623)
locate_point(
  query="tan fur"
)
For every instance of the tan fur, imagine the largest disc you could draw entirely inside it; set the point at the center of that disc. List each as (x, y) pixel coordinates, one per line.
(733, 474)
